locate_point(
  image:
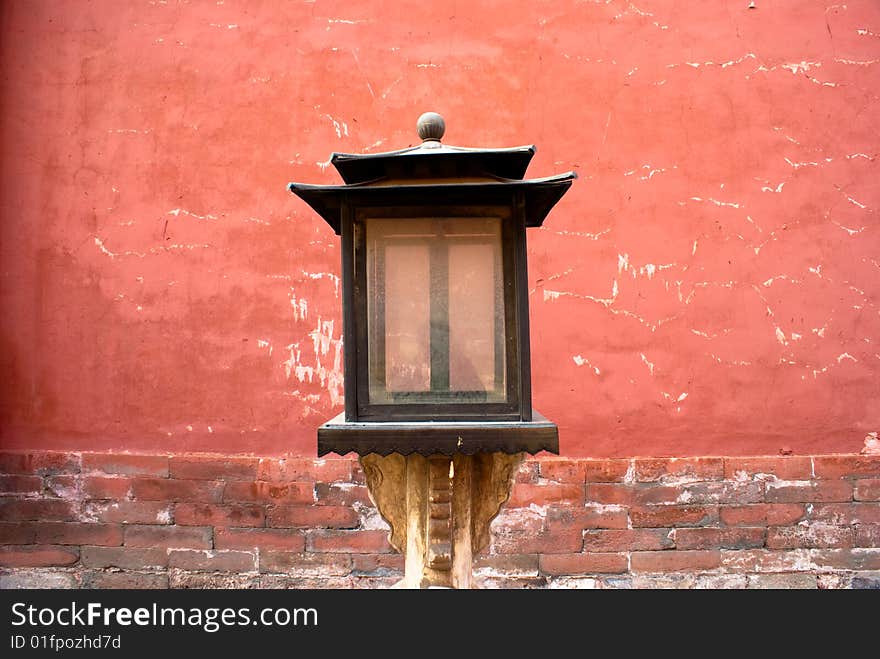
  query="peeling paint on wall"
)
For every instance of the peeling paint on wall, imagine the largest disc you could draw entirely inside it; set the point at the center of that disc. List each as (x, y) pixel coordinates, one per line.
(721, 243)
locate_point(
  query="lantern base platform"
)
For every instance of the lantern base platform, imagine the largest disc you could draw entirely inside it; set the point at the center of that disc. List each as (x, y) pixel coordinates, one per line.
(438, 437)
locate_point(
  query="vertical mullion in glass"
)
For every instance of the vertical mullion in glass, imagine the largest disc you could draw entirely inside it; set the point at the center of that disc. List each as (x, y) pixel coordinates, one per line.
(380, 326)
(500, 356)
(439, 291)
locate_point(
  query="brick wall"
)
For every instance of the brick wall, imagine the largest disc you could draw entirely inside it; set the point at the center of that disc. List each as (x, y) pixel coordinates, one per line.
(102, 520)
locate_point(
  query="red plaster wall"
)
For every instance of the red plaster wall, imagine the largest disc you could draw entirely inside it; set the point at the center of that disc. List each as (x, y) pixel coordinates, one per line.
(709, 286)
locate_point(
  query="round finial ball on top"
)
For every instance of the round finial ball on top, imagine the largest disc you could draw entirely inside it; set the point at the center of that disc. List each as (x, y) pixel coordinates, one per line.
(431, 126)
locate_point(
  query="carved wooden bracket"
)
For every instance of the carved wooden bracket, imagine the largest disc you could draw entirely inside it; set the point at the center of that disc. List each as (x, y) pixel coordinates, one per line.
(439, 509)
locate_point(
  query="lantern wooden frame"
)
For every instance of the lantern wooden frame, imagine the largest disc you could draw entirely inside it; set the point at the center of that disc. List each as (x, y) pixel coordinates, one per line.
(436, 181)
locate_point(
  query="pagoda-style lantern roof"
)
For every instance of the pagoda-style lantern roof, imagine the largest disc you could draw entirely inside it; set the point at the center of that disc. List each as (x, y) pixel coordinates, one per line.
(435, 169)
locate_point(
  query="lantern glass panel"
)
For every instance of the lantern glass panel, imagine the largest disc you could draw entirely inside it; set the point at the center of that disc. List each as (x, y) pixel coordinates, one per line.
(435, 307)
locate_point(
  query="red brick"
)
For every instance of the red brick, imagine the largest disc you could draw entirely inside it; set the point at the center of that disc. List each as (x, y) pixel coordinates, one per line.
(168, 489)
(557, 541)
(99, 487)
(179, 579)
(341, 494)
(126, 464)
(42, 463)
(717, 581)
(292, 582)
(355, 542)
(525, 494)
(848, 559)
(790, 468)
(678, 470)
(212, 561)
(809, 535)
(765, 560)
(809, 491)
(37, 509)
(564, 564)
(375, 564)
(102, 580)
(521, 531)
(18, 533)
(586, 518)
(126, 558)
(357, 473)
(674, 561)
(847, 466)
(19, 484)
(505, 564)
(13, 462)
(37, 556)
(866, 535)
(128, 512)
(529, 472)
(520, 520)
(562, 470)
(209, 514)
(763, 514)
(709, 538)
(188, 537)
(330, 565)
(867, 489)
(369, 582)
(609, 493)
(605, 471)
(844, 514)
(325, 470)
(64, 486)
(213, 468)
(40, 579)
(673, 516)
(627, 540)
(513, 583)
(783, 581)
(78, 533)
(263, 539)
(329, 517)
(710, 492)
(265, 492)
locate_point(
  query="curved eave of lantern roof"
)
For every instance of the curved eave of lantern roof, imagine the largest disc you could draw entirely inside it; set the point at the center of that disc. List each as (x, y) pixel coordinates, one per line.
(508, 163)
(540, 195)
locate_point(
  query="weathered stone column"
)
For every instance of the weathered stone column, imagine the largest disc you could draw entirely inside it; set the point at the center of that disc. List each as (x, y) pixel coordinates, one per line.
(439, 509)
